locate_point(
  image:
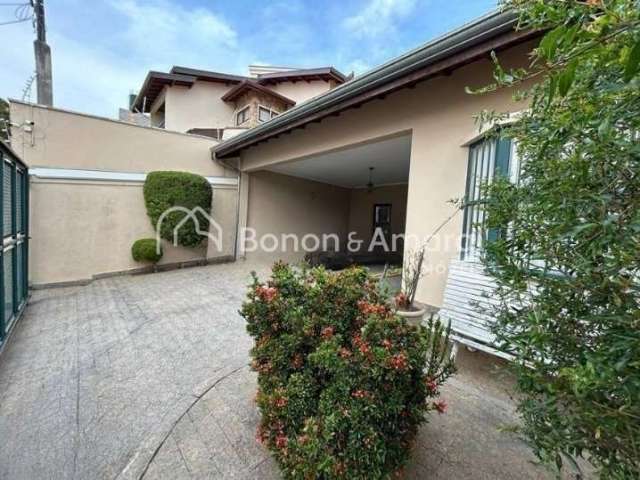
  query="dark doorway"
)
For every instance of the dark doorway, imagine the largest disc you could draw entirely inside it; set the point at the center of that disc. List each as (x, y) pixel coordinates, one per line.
(382, 220)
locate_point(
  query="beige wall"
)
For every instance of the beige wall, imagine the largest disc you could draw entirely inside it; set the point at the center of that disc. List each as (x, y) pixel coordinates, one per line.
(301, 90)
(66, 139)
(82, 228)
(280, 204)
(361, 204)
(440, 116)
(198, 107)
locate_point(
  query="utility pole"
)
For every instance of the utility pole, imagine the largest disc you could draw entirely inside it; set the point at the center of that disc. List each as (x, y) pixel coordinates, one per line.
(43, 56)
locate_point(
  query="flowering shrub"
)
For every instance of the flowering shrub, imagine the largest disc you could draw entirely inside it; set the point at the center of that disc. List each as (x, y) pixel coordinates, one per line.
(343, 382)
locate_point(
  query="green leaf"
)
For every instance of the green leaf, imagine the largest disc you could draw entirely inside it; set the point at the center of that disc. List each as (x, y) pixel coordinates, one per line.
(549, 43)
(553, 88)
(565, 80)
(633, 63)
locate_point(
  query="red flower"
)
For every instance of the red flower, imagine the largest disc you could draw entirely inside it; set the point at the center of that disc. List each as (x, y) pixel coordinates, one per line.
(327, 333)
(399, 361)
(440, 406)
(282, 441)
(401, 300)
(361, 345)
(367, 308)
(266, 293)
(281, 402)
(432, 386)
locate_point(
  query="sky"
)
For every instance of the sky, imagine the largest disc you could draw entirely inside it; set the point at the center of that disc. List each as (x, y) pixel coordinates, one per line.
(103, 49)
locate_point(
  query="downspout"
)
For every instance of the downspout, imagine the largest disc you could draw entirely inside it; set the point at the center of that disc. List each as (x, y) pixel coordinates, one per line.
(236, 169)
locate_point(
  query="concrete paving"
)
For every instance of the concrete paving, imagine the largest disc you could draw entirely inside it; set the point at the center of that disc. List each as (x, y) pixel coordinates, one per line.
(147, 377)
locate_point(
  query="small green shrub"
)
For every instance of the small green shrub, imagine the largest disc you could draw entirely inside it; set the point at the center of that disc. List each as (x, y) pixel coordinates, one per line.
(144, 250)
(343, 382)
(163, 190)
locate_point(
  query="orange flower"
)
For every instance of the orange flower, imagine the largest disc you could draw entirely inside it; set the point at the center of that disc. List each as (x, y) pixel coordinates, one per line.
(266, 293)
(399, 361)
(367, 308)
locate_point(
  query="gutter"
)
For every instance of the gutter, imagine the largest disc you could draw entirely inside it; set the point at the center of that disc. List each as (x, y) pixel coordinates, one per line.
(477, 31)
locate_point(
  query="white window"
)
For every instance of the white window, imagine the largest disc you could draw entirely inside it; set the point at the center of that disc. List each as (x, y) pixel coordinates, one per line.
(265, 114)
(487, 158)
(242, 116)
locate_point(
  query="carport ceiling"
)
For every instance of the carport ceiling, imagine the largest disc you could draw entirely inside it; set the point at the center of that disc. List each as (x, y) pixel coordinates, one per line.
(350, 167)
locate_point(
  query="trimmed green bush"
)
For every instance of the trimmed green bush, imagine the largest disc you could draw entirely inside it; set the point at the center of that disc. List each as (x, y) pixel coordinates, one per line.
(144, 250)
(163, 190)
(344, 383)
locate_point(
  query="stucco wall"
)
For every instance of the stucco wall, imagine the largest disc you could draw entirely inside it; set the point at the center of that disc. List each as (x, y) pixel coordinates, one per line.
(198, 107)
(84, 228)
(66, 139)
(301, 90)
(440, 116)
(361, 203)
(280, 204)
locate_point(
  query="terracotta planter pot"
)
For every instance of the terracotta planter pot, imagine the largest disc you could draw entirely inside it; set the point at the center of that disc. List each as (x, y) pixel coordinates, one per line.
(415, 315)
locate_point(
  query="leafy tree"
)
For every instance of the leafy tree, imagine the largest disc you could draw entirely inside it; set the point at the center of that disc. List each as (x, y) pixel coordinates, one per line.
(567, 260)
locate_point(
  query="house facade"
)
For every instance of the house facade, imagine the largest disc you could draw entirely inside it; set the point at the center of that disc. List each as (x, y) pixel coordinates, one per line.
(292, 154)
(411, 121)
(198, 101)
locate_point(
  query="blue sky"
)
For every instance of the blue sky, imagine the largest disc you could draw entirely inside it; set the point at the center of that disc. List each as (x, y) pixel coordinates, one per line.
(103, 49)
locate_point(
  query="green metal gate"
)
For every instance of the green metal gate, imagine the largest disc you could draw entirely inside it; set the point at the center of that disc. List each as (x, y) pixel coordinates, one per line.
(14, 231)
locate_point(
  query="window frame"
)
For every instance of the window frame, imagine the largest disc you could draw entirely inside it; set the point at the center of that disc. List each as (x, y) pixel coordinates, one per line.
(245, 112)
(501, 160)
(271, 112)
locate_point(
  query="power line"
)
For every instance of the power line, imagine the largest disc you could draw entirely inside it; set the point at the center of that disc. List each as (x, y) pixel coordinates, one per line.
(15, 21)
(22, 13)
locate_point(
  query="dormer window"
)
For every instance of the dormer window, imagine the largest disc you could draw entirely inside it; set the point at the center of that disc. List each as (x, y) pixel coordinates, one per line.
(265, 114)
(242, 116)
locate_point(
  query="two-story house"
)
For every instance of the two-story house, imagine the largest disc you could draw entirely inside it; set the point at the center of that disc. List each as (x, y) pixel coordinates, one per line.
(219, 105)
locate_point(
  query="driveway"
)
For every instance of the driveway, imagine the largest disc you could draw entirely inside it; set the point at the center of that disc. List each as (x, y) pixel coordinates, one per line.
(147, 377)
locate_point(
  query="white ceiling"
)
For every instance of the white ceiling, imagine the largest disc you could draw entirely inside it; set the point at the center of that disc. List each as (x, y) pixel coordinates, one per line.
(350, 167)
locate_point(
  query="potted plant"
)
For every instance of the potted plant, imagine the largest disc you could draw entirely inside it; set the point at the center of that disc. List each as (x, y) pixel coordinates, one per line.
(405, 299)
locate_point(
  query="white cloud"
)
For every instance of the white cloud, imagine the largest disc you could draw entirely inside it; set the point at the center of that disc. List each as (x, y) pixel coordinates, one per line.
(99, 59)
(378, 17)
(358, 66)
(158, 29)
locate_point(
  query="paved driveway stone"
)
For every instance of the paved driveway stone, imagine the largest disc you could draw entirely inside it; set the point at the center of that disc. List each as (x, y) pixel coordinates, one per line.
(147, 377)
